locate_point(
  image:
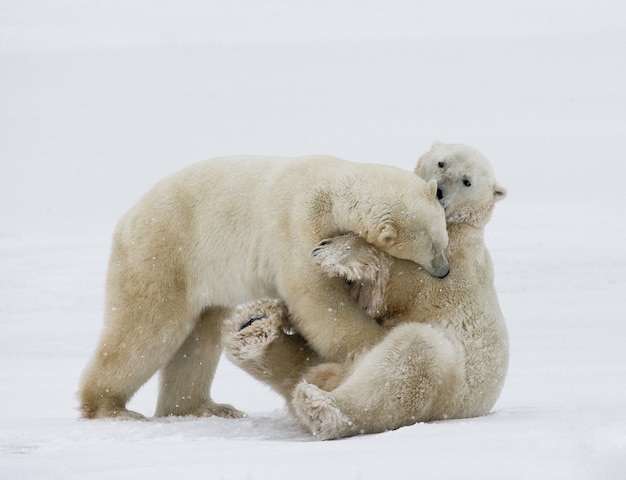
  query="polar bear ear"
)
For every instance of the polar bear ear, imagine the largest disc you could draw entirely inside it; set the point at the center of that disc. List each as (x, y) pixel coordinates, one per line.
(499, 193)
(432, 187)
(435, 144)
(387, 235)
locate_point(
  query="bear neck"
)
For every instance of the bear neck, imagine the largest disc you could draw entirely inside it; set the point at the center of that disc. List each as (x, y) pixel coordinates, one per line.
(463, 236)
(474, 217)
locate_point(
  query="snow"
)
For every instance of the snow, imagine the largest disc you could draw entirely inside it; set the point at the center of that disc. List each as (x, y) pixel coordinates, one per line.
(100, 100)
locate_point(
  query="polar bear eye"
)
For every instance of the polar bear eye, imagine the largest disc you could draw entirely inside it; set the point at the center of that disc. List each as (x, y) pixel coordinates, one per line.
(467, 183)
(441, 164)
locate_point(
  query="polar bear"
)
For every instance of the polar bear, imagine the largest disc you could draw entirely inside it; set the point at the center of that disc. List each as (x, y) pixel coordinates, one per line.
(230, 230)
(445, 354)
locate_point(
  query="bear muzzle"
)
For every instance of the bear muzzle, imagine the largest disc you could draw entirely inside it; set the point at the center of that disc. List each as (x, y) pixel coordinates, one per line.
(443, 200)
(440, 267)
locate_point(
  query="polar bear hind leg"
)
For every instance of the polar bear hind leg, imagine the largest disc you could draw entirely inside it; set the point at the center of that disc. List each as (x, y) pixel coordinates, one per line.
(127, 356)
(413, 375)
(318, 411)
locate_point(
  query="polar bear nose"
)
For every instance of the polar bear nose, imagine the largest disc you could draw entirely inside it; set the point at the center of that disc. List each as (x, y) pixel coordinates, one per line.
(444, 273)
(444, 202)
(440, 266)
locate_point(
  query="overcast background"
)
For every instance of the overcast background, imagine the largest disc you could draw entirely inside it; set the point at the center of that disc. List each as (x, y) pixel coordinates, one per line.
(99, 100)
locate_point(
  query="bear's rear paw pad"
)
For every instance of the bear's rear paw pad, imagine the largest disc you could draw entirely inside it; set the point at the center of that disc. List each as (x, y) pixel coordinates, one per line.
(318, 410)
(253, 327)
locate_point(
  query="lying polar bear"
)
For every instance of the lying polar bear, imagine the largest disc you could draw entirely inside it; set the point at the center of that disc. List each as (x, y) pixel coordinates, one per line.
(446, 351)
(230, 230)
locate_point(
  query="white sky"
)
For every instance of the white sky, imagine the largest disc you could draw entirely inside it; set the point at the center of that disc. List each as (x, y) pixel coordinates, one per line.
(61, 24)
(85, 115)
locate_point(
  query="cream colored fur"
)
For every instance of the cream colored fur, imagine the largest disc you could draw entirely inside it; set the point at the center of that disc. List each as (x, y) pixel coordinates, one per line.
(446, 351)
(231, 230)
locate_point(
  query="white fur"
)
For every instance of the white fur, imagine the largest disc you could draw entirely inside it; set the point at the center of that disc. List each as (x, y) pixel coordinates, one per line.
(446, 351)
(231, 230)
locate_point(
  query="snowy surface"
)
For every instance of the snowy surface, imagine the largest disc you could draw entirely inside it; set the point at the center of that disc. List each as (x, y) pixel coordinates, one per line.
(98, 100)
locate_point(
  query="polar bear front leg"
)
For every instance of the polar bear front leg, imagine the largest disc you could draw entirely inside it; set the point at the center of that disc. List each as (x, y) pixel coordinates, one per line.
(326, 315)
(187, 377)
(364, 268)
(260, 340)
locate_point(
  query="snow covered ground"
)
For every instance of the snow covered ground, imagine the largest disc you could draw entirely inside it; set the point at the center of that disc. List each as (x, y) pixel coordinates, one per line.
(100, 100)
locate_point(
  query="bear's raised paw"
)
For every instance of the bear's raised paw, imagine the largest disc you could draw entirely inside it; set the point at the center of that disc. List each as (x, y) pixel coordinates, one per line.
(364, 268)
(253, 327)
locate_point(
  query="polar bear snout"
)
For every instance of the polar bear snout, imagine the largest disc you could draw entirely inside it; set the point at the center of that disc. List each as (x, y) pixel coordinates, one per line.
(440, 267)
(444, 273)
(444, 200)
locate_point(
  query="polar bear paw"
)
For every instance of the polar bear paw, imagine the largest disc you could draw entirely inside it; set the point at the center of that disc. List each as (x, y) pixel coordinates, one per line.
(253, 327)
(319, 412)
(222, 410)
(364, 268)
(349, 257)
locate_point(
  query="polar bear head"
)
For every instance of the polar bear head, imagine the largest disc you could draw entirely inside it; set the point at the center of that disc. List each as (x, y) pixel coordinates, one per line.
(467, 188)
(394, 210)
(414, 228)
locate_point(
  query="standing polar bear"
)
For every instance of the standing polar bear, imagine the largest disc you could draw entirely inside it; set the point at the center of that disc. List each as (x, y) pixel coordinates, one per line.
(230, 230)
(445, 354)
